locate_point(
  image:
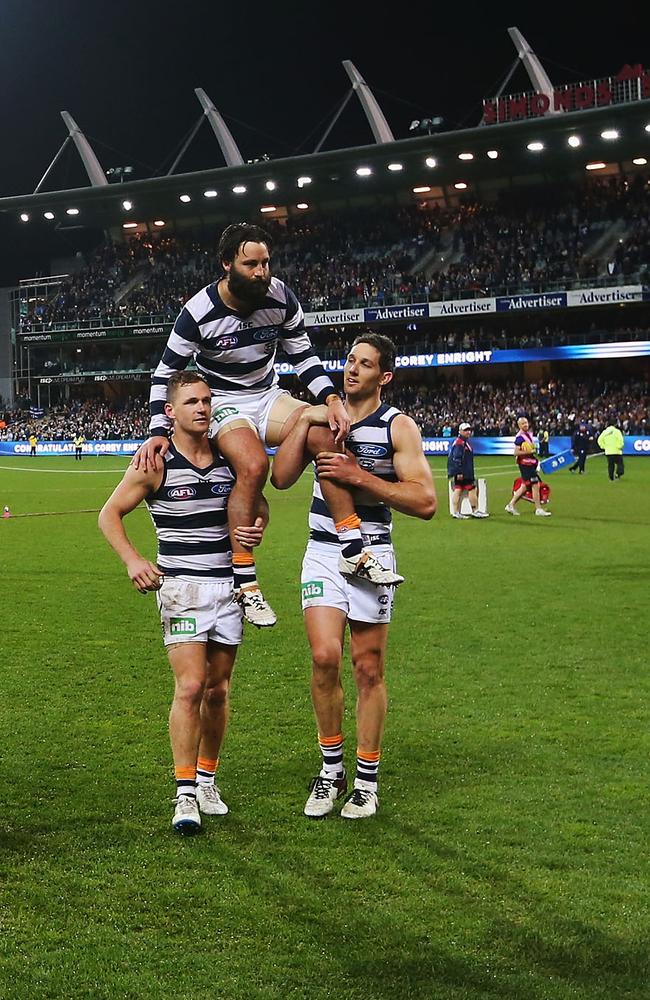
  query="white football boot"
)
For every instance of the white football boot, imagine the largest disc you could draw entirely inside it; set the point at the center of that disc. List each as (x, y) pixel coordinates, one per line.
(256, 609)
(366, 566)
(362, 802)
(210, 801)
(186, 818)
(323, 794)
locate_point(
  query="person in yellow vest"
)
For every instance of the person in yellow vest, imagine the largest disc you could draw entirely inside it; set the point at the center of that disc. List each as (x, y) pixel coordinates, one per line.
(611, 441)
(33, 441)
(79, 442)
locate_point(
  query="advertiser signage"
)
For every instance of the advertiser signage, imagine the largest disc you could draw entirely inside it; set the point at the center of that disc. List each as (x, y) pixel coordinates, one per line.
(558, 445)
(605, 296)
(78, 379)
(68, 448)
(431, 446)
(334, 317)
(100, 333)
(445, 309)
(392, 313)
(631, 83)
(489, 356)
(523, 303)
(462, 307)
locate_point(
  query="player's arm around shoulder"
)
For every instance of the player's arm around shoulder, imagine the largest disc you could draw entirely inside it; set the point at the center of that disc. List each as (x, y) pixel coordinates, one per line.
(131, 491)
(418, 492)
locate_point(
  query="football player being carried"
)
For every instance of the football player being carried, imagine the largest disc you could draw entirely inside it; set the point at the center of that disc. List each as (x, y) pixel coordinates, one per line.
(528, 462)
(385, 467)
(233, 328)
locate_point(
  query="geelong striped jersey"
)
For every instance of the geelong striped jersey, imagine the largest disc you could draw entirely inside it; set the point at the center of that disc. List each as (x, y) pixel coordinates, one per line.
(234, 352)
(189, 514)
(370, 442)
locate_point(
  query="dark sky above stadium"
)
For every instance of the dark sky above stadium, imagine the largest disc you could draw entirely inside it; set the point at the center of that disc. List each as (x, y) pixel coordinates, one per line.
(126, 71)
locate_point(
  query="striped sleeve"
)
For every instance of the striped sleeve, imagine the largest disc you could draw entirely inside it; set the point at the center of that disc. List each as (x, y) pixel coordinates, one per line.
(182, 345)
(298, 348)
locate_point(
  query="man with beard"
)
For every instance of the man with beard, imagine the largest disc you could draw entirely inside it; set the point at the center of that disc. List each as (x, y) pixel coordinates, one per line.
(233, 328)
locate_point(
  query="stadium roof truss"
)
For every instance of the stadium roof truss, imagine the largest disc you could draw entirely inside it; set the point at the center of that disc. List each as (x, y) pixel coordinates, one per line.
(540, 148)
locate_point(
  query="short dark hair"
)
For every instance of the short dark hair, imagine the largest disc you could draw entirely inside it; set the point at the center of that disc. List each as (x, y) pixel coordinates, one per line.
(233, 237)
(180, 379)
(383, 345)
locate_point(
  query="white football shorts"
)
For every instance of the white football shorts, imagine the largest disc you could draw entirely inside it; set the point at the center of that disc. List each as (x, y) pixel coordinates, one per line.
(322, 585)
(255, 407)
(198, 612)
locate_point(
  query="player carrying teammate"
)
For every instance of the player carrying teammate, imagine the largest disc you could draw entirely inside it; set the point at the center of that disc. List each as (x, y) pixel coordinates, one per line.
(202, 624)
(386, 468)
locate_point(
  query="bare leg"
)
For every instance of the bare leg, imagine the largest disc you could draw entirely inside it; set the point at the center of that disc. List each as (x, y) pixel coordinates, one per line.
(189, 665)
(368, 649)
(325, 631)
(242, 448)
(536, 499)
(215, 703)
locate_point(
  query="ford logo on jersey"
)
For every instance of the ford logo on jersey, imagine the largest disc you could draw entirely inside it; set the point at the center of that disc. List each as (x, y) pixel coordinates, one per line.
(266, 333)
(371, 450)
(224, 342)
(181, 493)
(221, 489)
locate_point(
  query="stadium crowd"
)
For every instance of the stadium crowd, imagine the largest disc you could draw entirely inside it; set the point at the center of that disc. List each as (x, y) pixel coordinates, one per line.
(557, 406)
(96, 419)
(362, 258)
(437, 407)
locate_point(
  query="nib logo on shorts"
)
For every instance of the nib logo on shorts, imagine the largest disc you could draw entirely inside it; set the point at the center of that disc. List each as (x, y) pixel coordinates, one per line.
(312, 588)
(182, 626)
(223, 412)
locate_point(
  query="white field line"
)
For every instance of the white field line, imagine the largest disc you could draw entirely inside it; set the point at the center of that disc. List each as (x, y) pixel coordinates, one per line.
(64, 472)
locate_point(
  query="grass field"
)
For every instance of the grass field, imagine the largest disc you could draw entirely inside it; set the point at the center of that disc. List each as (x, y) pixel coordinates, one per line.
(509, 858)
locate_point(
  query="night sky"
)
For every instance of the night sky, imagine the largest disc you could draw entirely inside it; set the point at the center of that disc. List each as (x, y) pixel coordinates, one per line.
(126, 72)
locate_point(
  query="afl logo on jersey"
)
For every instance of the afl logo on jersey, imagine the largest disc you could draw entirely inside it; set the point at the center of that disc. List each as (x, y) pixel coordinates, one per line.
(266, 333)
(221, 489)
(371, 450)
(181, 493)
(223, 343)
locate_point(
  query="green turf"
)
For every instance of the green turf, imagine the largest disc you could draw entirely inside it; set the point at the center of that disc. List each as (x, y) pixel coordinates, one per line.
(509, 858)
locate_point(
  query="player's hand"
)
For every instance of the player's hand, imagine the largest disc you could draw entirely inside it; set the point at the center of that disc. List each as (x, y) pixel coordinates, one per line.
(315, 416)
(146, 457)
(338, 419)
(145, 575)
(250, 536)
(458, 480)
(341, 468)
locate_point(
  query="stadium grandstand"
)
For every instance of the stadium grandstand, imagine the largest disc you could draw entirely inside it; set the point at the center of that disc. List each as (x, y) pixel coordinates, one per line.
(513, 256)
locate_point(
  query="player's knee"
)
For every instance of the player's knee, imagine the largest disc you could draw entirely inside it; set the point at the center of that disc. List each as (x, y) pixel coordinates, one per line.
(189, 691)
(326, 660)
(368, 671)
(216, 695)
(253, 469)
(320, 439)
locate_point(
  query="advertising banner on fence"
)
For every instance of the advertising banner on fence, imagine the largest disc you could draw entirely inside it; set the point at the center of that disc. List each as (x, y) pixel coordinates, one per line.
(410, 312)
(67, 448)
(432, 446)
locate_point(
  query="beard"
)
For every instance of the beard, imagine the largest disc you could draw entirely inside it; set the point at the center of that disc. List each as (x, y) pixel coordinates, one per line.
(252, 291)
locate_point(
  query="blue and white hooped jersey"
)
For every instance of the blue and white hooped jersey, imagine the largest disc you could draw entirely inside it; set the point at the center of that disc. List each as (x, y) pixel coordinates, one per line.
(371, 443)
(189, 514)
(234, 353)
